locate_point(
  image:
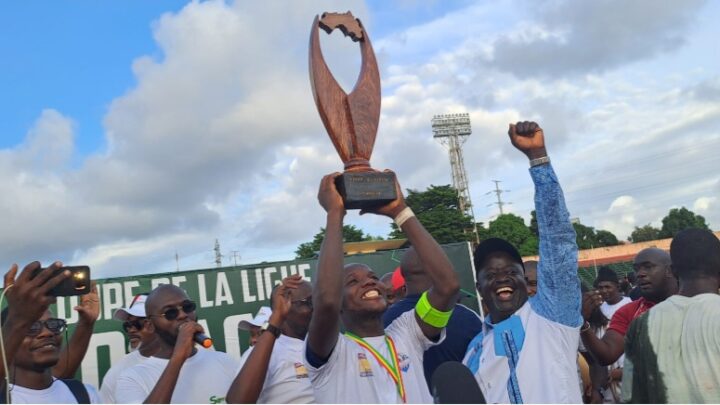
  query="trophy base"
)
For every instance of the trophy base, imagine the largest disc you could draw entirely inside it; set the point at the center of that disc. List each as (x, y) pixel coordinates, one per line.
(366, 189)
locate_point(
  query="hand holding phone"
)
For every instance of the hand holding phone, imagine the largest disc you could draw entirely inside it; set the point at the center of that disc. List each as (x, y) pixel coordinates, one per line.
(78, 283)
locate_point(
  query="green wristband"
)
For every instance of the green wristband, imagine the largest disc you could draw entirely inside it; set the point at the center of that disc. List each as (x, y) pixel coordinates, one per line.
(430, 315)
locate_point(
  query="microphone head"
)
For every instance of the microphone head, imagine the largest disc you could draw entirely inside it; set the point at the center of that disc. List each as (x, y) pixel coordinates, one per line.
(203, 340)
(453, 383)
(206, 343)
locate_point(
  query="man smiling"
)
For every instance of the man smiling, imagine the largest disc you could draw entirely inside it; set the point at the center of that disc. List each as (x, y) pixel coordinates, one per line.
(527, 349)
(370, 363)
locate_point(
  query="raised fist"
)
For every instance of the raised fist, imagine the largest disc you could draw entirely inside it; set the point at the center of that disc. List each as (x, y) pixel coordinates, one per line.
(528, 138)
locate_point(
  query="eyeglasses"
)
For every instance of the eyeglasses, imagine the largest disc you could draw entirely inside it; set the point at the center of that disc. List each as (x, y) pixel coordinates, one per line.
(305, 301)
(171, 314)
(137, 324)
(54, 325)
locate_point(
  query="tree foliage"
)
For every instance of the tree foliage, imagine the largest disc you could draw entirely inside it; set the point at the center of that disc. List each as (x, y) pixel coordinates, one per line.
(437, 209)
(679, 219)
(308, 250)
(644, 234)
(588, 237)
(512, 228)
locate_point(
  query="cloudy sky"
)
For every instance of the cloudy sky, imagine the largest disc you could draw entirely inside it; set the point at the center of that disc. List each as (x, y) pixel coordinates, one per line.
(132, 131)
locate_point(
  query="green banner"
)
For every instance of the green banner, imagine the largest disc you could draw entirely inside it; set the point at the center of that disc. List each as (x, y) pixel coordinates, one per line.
(224, 296)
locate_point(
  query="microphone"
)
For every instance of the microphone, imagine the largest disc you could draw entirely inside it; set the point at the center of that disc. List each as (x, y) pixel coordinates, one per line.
(203, 340)
(452, 383)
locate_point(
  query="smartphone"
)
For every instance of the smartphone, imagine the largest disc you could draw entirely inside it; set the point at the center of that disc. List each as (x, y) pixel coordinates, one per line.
(77, 284)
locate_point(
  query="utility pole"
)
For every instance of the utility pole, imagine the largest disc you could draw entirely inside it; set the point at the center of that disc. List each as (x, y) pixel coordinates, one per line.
(498, 192)
(177, 262)
(452, 131)
(218, 255)
(235, 255)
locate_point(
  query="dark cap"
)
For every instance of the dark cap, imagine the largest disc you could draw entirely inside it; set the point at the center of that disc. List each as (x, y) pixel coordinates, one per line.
(606, 274)
(492, 245)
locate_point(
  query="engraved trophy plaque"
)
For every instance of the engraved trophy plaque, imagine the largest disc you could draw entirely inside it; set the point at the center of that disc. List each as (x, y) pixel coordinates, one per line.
(351, 120)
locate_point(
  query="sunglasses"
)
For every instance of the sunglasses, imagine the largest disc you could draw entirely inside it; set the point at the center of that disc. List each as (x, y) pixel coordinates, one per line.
(171, 314)
(54, 325)
(137, 324)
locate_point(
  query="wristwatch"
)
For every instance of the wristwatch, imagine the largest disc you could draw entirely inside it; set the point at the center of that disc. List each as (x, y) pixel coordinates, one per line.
(272, 329)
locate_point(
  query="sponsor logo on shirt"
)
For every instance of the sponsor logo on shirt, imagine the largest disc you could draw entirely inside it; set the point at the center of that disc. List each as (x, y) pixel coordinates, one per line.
(217, 400)
(365, 370)
(404, 362)
(300, 371)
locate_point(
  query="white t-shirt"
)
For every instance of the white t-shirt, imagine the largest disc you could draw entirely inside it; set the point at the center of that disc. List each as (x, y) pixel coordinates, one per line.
(109, 382)
(352, 375)
(204, 378)
(57, 393)
(609, 309)
(287, 379)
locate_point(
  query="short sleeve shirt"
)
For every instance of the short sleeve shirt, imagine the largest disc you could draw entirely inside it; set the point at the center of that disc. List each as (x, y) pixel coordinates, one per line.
(620, 322)
(352, 375)
(57, 393)
(287, 380)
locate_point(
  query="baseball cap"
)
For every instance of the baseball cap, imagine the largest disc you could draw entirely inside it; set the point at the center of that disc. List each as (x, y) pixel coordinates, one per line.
(136, 308)
(397, 280)
(492, 245)
(262, 317)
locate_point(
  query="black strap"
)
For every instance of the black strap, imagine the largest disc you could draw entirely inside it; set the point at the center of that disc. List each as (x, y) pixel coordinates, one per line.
(79, 390)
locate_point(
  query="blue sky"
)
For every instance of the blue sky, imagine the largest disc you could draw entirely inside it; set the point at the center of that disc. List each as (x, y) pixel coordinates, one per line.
(133, 130)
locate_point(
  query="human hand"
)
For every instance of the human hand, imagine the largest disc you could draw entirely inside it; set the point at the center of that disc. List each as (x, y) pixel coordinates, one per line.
(328, 195)
(185, 342)
(281, 299)
(29, 298)
(89, 308)
(591, 301)
(528, 138)
(393, 208)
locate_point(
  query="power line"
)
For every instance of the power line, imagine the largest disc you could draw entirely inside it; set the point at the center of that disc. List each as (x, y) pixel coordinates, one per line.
(498, 192)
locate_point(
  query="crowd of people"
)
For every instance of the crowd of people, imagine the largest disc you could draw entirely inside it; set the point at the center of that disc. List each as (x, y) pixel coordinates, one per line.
(352, 337)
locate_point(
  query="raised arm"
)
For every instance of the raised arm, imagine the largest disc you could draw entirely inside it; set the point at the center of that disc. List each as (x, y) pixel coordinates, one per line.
(74, 351)
(184, 347)
(327, 293)
(248, 385)
(558, 293)
(442, 296)
(27, 299)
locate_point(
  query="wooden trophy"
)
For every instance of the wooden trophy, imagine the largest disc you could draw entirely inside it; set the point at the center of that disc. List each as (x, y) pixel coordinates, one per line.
(351, 120)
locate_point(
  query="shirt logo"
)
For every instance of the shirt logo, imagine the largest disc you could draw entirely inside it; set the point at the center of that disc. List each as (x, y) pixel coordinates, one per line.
(404, 362)
(217, 400)
(364, 364)
(300, 371)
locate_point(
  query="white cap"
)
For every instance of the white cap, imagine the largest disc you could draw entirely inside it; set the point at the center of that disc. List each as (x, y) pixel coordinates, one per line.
(136, 308)
(262, 317)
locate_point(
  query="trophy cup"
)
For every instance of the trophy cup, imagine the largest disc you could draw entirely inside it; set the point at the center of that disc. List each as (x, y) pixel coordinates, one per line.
(351, 120)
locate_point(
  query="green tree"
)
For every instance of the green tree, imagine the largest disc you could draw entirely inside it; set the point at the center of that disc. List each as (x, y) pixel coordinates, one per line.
(588, 237)
(351, 233)
(644, 234)
(679, 219)
(512, 228)
(437, 209)
(533, 223)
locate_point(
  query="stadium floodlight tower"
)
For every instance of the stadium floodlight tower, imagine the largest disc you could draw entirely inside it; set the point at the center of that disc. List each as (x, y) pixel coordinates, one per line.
(452, 131)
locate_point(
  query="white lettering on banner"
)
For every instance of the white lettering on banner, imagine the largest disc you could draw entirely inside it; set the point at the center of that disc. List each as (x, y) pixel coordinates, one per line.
(177, 280)
(154, 283)
(247, 297)
(204, 302)
(258, 284)
(301, 271)
(115, 341)
(129, 294)
(267, 271)
(232, 340)
(222, 290)
(283, 272)
(112, 299)
(67, 312)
